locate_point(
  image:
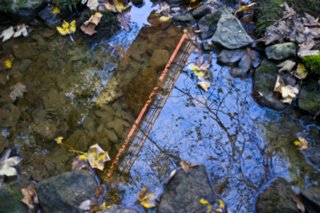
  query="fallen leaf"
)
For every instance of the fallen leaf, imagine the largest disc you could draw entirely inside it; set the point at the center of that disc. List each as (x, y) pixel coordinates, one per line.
(7, 34)
(58, 140)
(109, 7)
(97, 157)
(55, 10)
(301, 72)
(21, 30)
(206, 203)
(120, 6)
(185, 166)
(165, 18)
(67, 28)
(301, 143)
(88, 27)
(147, 200)
(204, 85)
(201, 71)
(289, 91)
(30, 198)
(245, 7)
(287, 65)
(7, 164)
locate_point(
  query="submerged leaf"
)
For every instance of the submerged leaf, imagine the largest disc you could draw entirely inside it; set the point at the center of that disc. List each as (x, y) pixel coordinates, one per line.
(147, 200)
(7, 164)
(97, 157)
(30, 198)
(301, 143)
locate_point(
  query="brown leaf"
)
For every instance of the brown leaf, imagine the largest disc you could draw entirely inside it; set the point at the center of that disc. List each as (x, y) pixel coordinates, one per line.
(88, 27)
(30, 198)
(186, 166)
(204, 85)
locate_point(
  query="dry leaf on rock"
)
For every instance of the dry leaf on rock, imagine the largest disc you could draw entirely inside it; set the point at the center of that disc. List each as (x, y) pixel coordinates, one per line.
(97, 157)
(301, 72)
(89, 26)
(147, 200)
(7, 164)
(287, 65)
(287, 92)
(30, 198)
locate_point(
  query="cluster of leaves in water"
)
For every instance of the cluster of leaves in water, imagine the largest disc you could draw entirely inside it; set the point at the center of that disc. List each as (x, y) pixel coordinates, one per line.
(313, 63)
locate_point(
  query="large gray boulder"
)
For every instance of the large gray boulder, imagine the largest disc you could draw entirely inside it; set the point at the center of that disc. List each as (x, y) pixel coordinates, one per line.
(277, 198)
(281, 51)
(264, 80)
(65, 192)
(23, 8)
(230, 33)
(184, 190)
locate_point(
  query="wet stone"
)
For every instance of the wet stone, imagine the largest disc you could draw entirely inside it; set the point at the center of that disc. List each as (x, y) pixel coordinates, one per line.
(281, 51)
(208, 25)
(230, 33)
(264, 80)
(277, 198)
(184, 190)
(231, 57)
(65, 192)
(201, 11)
(243, 68)
(159, 58)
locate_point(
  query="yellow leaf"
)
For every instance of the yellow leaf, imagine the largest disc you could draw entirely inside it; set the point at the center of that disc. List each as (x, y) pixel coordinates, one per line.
(73, 26)
(67, 28)
(8, 64)
(97, 157)
(246, 7)
(83, 156)
(165, 18)
(147, 200)
(203, 201)
(58, 140)
(55, 10)
(221, 204)
(119, 6)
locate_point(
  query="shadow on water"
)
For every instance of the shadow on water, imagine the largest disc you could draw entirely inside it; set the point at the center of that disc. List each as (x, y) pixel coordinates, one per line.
(242, 144)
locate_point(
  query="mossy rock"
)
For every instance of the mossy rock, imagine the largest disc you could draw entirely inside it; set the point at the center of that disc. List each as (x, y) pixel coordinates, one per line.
(309, 97)
(312, 62)
(269, 11)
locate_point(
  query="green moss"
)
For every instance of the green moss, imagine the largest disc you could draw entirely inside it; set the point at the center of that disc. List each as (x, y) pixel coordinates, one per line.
(313, 63)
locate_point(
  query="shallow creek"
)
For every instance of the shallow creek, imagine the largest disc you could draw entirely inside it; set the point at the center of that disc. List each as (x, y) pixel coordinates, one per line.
(242, 145)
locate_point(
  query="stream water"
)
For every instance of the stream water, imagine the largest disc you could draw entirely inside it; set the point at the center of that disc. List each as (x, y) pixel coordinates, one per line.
(243, 145)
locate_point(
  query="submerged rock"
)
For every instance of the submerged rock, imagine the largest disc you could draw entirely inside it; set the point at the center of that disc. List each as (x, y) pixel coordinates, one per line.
(230, 33)
(277, 198)
(9, 115)
(264, 80)
(65, 192)
(281, 51)
(184, 190)
(184, 18)
(49, 17)
(10, 199)
(309, 97)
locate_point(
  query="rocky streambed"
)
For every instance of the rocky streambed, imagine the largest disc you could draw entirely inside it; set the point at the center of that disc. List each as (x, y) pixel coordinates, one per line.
(57, 88)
